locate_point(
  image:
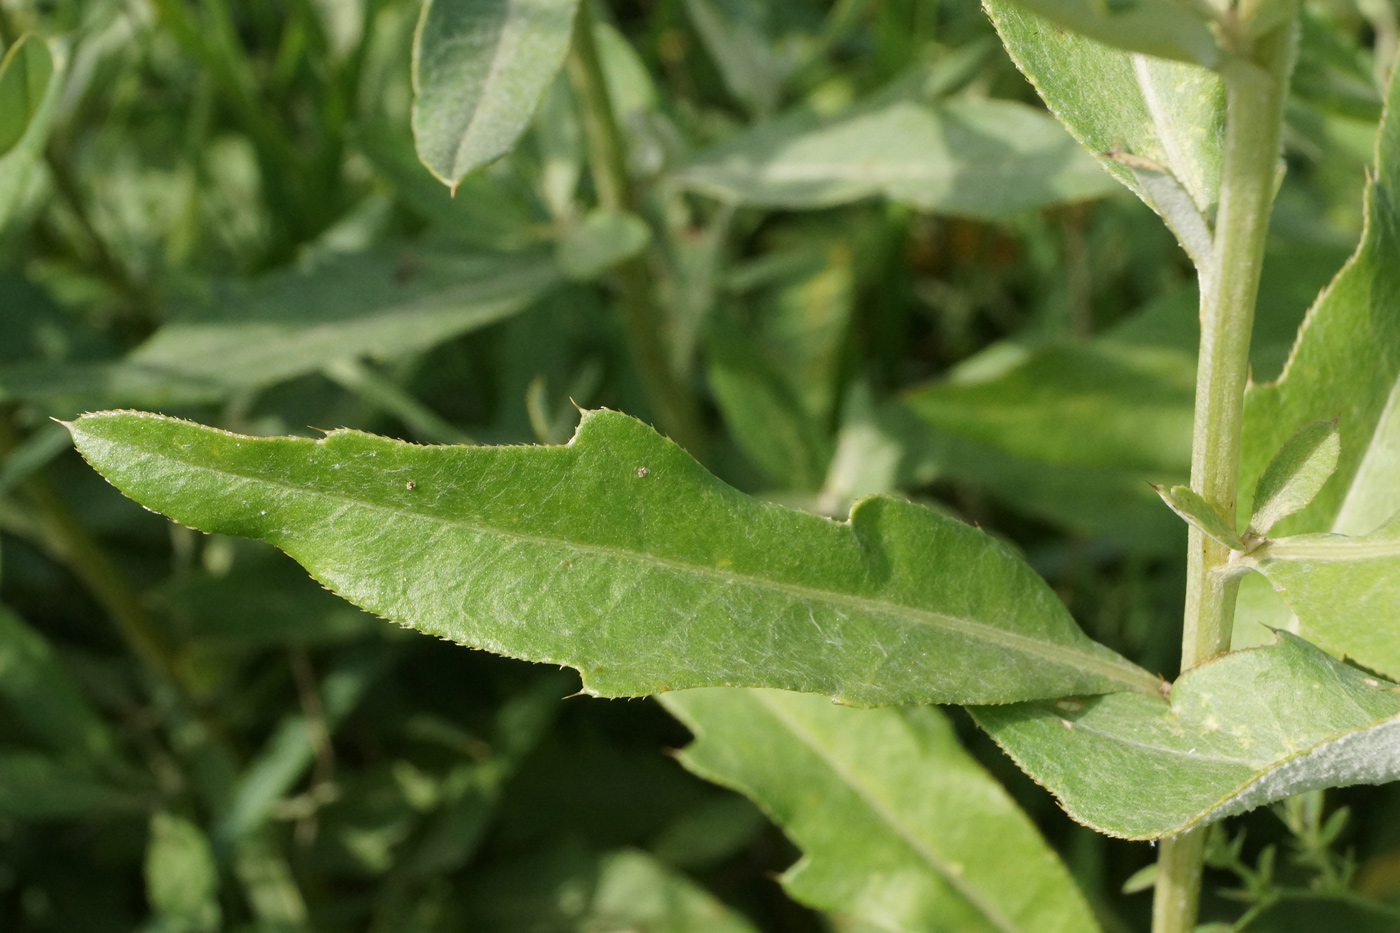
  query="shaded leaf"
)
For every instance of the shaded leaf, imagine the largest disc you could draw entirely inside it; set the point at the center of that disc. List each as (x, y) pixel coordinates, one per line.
(25, 73)
(1296, 474)
(1242, 730)
(603, 240)
(19, 165)
(976, 158)
(480, 69)
(295, 322)
(1186, 502)
(897, 823)
(36, 787)
(619, 555)
(43, 697)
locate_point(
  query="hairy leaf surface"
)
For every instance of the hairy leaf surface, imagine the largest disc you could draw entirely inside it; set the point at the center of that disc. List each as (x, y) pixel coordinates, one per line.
(975, 158)
(619, 555)
(1165, 112)
(1164, 28)
(1344, 366)
(898, 824)
(480, 69)
(1243, 730)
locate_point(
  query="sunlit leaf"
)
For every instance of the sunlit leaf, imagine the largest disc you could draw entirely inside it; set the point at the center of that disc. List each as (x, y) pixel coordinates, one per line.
(1296, 474)
(181, 877)
(1186, 502)
(1166, 113)
(897, 824)
(1243, 730)
(1164, 28)
(619, 555)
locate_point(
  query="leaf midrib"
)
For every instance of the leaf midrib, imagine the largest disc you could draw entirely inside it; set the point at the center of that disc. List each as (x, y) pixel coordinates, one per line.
(939, 865)
(1049, 651)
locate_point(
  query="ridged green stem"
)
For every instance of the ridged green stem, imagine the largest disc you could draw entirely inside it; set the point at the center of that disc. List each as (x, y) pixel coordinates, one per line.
(1256, 85)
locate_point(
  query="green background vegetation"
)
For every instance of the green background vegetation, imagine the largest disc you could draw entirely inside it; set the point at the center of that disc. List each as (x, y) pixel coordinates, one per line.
(217, 212)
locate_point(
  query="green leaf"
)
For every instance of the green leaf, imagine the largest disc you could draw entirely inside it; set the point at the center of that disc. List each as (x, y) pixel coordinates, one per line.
(1296, 474)
(21, 160)
(619, 555)
(37, 787)
(25, 73)
(603, 240)
(637, 892)
(1345, 589)
(976, 158)
(898, 825)
(42, 696)
(1243, 730)
(181, 877)
(1175, 29)
(1186, 502)
(296, 322)
(1163, 113)
(1343, 367)
(480, 69)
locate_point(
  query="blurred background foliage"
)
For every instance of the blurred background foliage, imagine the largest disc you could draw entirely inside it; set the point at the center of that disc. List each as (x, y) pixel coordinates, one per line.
(214, 209)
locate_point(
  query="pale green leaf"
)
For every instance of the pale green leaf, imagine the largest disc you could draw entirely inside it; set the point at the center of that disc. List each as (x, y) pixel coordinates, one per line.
(181, 877)
(1240, 731)
(1344, 367)
(480, 69)
(1176, 29)
(290, 323)
(602, 240)
(1296, 474)
(1115, 102)
(898, 825)
(21, 164)
(1186, 502)
(619, 555)
(25, 73)
(1343, 588)
(969, 157)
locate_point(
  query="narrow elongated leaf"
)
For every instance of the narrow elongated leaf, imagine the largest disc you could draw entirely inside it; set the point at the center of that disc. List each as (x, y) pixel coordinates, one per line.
(1346, 588)
(1240, 731)
(1344, 367)
(1113, 101)
(898, 825)
(25, 73)
(619, 555)
(37, 787)
(480, 69)
(1164, 28)
(975, 158)
(296, 322)
(20, 162)
(1186, 502)
(1296, 474)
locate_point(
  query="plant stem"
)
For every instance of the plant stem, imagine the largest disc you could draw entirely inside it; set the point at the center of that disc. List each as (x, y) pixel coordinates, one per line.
(676, 408)
(1255, 87)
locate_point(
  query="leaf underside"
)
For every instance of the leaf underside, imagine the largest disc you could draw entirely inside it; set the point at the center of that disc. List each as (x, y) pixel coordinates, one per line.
(898, 824)
(1243, 730)
(618, 555)
(480, 69)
